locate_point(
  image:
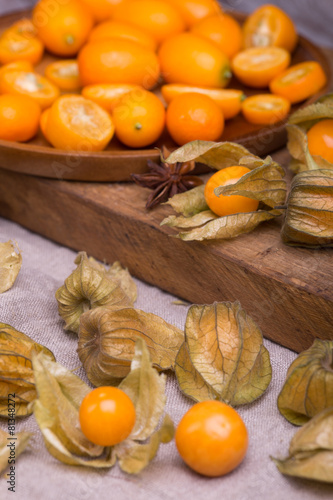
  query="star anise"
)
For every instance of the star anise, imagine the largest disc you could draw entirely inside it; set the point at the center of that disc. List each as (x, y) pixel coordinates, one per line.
(166, 179)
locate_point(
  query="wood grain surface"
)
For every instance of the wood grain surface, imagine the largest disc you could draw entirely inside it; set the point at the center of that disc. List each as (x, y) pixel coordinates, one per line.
(288, 291)
(117, 162)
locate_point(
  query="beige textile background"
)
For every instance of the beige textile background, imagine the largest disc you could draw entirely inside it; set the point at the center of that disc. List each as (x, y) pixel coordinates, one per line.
(30, 307)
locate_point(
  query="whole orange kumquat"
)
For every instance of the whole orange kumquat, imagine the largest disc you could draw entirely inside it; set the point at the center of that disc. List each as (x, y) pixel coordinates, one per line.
(212, 438)
(19, 118)
(158, 18)
(190, 59)
(102, 9)
(193, 11)
(65, 28)
(223, 30)
(107, 416)
(228, 205)
(116, 29)
(193, 116)
(139, 118)
(118, 61)
(320, 139)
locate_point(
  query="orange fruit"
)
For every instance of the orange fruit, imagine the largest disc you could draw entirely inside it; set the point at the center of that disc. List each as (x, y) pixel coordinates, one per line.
(192, 116)
(194, 11)
(17, 66)
(101, 9)
(30, 84)
(19, 118)
(320, 139)
(265, 109)
(228, 205)
(212, 438)
(139, 118)
(229, 100)
(299, 82)
(63, 29)
(20, 42)
(117, 29)
(77, 124)
(223, 30)
(64, 74)
(107, 95)
(256, 67)
(157, 18)
(270, 26)
(43, 121)
(107, 416)
(118, 61)
(190, 59)
(23, 27)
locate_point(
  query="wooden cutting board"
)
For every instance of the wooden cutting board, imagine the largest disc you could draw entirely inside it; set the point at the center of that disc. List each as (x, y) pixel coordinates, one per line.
(288, 291)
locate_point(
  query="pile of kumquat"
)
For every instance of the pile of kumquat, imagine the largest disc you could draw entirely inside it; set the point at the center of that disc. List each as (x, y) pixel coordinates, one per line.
(114, 53)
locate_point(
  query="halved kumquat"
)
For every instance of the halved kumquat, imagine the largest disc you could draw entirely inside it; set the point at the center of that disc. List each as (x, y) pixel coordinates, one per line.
(223, 30)
(78, 124)
(265, 109)
(108, 95)
(118, 61)
(299, 82)
(19, 42)
(256, 67)
(229, 100)
(64, 74)
(17, 66)
(116, 29)
(30, 84)
(19, 118)
(270, 26)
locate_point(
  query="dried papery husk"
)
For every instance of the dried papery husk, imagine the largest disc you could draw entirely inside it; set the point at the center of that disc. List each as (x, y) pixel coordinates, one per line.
(298, 125)
(309, 215)
(308, 388)
(264, 183)
(223, 356)
(107, 340)
(90, 285)
(311, 450)
(16, 373)
(56, 410)
(21, 440)
(10, 264)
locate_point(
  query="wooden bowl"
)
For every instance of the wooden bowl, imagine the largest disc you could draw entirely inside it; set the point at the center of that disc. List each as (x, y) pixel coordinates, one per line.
(117, 162)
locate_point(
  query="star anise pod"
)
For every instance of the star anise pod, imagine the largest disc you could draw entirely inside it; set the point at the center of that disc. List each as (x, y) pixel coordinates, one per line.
(166, 179)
